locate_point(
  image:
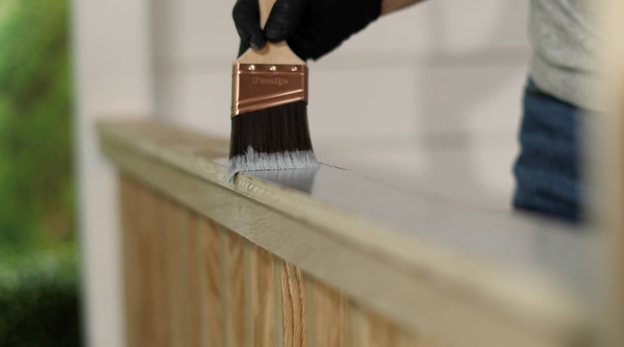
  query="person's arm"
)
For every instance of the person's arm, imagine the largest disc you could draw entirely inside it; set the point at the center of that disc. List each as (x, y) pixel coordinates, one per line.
(388, 6)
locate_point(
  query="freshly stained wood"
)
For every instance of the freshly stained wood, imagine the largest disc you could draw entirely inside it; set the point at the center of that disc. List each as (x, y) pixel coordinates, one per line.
(236, 326)
(211, 289)
(465, 289)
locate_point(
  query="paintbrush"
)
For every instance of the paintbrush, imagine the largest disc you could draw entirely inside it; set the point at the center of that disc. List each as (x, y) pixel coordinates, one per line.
(269, 109)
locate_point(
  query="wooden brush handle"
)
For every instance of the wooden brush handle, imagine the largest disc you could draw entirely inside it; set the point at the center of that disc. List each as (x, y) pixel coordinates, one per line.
(265, 10)
(271, 53)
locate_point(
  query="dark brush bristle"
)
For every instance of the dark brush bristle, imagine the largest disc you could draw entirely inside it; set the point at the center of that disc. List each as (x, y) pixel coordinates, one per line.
(277, 130)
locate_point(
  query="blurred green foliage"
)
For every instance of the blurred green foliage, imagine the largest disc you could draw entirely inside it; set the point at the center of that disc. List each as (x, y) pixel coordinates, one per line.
(36, 191)
(39, 296)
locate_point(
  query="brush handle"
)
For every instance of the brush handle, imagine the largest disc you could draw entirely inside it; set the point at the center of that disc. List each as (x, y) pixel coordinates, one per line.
(265, 7)
(271, 53)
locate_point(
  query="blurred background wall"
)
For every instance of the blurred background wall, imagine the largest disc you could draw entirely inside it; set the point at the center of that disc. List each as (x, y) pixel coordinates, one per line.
(438, 86)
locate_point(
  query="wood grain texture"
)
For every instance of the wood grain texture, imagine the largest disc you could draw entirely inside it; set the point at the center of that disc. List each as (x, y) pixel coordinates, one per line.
(147, 329)
(377, 331)
(175, 266)
(129, 203)
(211, 289)
(277, 301)
(160, 271)
(332, 310)
(261, 284)
(293, 308)
(234, 293)
(193, 246)
(284, 307)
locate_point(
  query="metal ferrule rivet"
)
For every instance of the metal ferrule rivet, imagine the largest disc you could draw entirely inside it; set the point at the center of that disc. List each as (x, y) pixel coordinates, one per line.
(294, 68)
(272, 68)
(251, 67)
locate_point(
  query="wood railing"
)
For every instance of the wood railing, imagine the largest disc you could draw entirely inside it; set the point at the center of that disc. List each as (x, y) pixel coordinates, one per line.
(192, 282)
(256, 263)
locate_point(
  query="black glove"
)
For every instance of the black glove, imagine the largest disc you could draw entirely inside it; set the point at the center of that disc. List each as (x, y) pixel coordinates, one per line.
(312, 28)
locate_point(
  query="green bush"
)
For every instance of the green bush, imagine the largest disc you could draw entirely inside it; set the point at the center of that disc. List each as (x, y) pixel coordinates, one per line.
(39, 301)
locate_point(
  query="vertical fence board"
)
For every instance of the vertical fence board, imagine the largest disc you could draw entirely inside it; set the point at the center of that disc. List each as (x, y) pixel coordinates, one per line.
(129, 192)
(333, 326)
(174, 261)
(235, 290)
(146, 297)
(193, 248)
(184, 229)
(293, 306)
(211, 284)
(376, 331)
(262, 297)
(159, 269)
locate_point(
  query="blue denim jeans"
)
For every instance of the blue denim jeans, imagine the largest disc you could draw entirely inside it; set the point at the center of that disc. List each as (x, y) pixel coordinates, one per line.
(547, 169)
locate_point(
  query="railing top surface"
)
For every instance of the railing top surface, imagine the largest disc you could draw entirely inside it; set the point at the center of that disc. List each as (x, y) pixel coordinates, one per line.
(536, 267)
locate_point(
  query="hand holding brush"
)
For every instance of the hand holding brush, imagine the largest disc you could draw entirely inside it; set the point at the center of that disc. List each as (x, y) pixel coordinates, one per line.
(270, 81)
(312, 28)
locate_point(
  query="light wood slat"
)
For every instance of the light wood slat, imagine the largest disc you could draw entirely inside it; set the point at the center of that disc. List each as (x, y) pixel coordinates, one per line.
(129, 194)
(212, 321)
(332, 310)
(174, 260)
(235, 290)
(168, 271)
(159, 270)
(277, 301)
(249, 292)
(193, 248)
(310, 289)
(293, 306)
(145, 230)
(376, 331)
(185, 226)
(261, 283)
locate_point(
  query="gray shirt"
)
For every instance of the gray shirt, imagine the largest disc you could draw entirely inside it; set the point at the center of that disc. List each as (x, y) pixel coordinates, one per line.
(565, 40)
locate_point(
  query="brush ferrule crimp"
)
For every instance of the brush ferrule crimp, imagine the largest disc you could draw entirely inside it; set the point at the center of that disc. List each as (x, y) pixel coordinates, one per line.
(260, 86)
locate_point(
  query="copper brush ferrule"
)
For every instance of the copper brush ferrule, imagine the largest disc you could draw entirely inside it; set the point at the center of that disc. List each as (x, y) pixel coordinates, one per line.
(261, 86)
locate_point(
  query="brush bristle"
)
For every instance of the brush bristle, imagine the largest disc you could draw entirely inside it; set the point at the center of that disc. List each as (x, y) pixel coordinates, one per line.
(276, 138)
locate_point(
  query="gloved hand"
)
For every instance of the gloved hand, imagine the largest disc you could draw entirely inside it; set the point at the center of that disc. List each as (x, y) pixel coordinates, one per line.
(311, 28)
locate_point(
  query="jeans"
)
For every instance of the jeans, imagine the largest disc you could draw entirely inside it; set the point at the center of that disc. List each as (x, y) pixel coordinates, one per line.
(547, 169)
